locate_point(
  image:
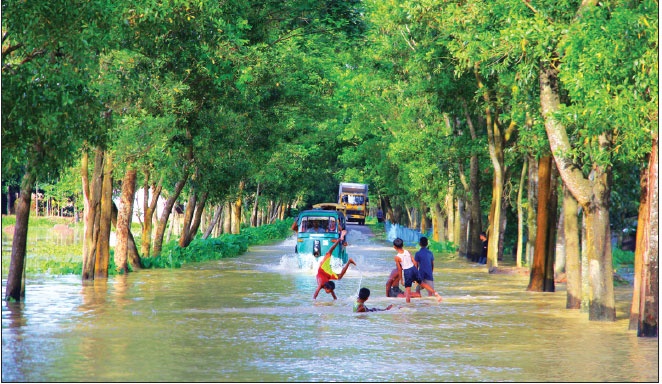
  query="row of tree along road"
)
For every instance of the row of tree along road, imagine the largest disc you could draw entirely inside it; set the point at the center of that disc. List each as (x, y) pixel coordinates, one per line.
(461, 116)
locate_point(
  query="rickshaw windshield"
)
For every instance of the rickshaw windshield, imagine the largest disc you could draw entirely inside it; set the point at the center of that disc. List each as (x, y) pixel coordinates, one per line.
(318, 224)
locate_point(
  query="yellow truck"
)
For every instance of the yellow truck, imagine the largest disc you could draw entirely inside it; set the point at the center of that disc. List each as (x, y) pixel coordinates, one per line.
(354, 197)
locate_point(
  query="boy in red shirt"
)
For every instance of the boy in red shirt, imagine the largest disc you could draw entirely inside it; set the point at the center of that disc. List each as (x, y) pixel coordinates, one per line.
(325, 274)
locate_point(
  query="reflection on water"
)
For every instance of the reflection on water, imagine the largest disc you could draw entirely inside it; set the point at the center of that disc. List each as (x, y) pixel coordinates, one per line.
(253, 319)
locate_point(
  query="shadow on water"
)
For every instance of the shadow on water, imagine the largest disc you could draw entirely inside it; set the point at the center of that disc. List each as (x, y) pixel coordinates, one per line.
(252, 318)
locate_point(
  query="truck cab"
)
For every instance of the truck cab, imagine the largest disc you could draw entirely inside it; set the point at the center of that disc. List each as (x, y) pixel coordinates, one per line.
(354, 197)
(316, 228)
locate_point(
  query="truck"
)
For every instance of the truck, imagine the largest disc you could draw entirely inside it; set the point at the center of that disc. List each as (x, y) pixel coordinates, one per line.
(354, 197)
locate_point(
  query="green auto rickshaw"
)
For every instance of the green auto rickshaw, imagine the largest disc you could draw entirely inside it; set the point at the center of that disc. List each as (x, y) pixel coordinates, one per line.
(315, 230)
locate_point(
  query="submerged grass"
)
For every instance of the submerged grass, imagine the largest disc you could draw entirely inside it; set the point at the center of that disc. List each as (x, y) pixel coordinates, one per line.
(52, 257)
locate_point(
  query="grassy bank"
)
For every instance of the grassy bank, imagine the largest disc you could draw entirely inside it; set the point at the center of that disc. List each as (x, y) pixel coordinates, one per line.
(55, 246)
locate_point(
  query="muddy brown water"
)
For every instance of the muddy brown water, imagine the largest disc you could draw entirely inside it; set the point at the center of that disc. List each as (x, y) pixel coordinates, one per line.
(252, 318)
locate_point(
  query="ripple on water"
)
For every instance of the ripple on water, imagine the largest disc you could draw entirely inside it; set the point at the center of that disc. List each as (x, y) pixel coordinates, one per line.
(252, 318)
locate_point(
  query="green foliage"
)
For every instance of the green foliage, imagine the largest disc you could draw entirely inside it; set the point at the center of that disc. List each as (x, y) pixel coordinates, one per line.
(445, 247)
(227, 245)
(8, 220)
(61, 259)
(622, 258)
(610, 73)
(41, 222)
(296, 96)
(268, 232)
(45, 257)
(376, 228)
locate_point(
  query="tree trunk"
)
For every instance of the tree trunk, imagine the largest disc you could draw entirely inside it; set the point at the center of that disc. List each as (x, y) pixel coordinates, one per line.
(520, 219)
(643, 227)
(495, 145)
(283, 210)
(174, 221)
(532, 200)
(85, 182)
(424, 219)
(572, 255)
(93, 216)
(649, 299)
(236, 210)
(214, 221)
(412, 219)
(502, 227)
(584, 263)
(559, 264)
(103, 241)
(36, 199)
(124, 219)
(494, 228)
(462, 231)
(601, 279)
(163, 221)
(131, 248)
(255, 207)
(397, 214)
(191, 228)
(15, 282)
(389, 215)
(450, 213)
(459, 215)
(550, 255)
(227, 218)
(592, 194)
(438, 223)
(474, 244)
(149, 210)
(538, 280)
(184, 238)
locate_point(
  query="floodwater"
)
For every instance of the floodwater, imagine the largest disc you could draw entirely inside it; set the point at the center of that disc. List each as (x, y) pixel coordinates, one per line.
(252, 318)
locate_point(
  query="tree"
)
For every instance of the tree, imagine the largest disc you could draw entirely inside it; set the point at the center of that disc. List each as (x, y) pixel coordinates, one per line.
(542, 271)
(596, 129)
(648, 251)
(47, 104)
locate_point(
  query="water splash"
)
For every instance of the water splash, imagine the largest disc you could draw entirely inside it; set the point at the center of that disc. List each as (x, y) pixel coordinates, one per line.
(298, 262)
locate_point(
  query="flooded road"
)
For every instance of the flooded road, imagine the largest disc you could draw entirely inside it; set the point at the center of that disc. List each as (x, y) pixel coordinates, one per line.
(252, 318)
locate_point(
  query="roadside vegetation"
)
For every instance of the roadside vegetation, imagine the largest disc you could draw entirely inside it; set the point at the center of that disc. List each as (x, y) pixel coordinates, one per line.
(52, 257)
(534, 122)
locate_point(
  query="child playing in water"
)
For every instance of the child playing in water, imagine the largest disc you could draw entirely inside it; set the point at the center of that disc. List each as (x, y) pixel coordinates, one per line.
(325, 274)
(407, 269)
(359, 306)
(393, 286)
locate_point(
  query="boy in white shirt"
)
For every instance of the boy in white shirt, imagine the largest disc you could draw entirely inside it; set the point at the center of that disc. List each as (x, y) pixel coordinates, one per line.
(408, 271)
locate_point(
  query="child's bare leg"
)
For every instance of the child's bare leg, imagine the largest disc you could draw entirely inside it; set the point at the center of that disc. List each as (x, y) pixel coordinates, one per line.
(408, 294)
(431, 290)
(344, 269)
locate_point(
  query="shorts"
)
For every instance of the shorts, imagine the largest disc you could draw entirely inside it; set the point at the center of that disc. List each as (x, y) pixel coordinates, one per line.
(410, 276)
(428, 282)
(394, 291)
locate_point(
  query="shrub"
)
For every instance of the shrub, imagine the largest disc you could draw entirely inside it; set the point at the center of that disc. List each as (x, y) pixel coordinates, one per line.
(445, 247)
(621, 257)
(227, 245)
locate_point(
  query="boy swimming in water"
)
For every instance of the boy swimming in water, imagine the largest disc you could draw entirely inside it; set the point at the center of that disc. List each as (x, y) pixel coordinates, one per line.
(359, 306)
(325, 274)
